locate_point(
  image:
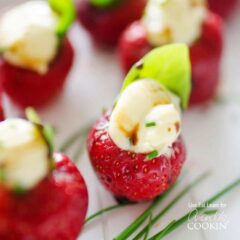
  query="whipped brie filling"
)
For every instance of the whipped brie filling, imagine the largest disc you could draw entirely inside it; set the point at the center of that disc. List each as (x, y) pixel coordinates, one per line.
(146, 118)
(174, 21)
(24, 159)
(27, 35)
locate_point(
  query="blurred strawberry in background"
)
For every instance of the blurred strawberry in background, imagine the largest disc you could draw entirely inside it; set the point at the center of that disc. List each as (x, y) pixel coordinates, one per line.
(222, 7)
(105, 23)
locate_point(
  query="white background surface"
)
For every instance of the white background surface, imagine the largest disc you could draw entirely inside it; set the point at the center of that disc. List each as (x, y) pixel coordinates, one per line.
(212, 134)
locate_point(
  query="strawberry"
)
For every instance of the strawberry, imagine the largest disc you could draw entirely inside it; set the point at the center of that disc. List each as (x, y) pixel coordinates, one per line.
(130, 175)
(222, 7)
(206, 59)
(205, 55)
(133, 45)
(106, 24)
(28, 88)
(55, 209)
(1, 107)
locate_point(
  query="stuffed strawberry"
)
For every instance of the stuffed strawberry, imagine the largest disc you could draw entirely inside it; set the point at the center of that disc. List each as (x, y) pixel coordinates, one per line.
(36, 54)
(1, 107)
(136, 148)
(106, 19)
(179, 21)
(42, 196)
(222, 7)
(1, 112)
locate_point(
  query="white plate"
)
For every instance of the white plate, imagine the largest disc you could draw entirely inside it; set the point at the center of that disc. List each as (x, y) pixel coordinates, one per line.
(212, 134)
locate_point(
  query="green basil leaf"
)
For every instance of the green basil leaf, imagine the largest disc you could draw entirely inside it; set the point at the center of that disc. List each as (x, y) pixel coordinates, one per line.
(3, 49)
(170, 65)
(47, 130)
(66, 11)
(49, 135)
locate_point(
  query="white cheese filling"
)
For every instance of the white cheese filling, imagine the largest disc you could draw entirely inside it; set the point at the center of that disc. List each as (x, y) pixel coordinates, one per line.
(174, 21)
(28, 36)
(146, 118)
(24, 160)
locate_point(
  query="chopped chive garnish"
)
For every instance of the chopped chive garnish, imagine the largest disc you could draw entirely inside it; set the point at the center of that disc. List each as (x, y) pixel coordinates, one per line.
(105, 210)
(152, 155)
(199, 209)
(141, 219)
(150, 124)
(173, 202)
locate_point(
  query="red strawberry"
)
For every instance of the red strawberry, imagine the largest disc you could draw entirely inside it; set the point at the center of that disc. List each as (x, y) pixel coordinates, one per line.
(205, 55)
(106, 24)
(1, 107)
(133, 45)
(206, 60)
(55, 209)
(222, 7)
(28, 88)
(130, 175)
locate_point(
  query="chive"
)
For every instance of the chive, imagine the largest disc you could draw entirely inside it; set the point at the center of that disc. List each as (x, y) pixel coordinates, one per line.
(105, 210)
(150, 124)
(152, 155)
(140, 220)
(211, 212)
(149, 227)
(199, 209)
(169, 226)
(80, 149)
(173, 202)
(82, 132)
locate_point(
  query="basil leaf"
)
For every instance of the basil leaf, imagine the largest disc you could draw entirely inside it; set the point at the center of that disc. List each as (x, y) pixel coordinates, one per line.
(170, 65)
(32, 116)
(46, 130)
(103, 3)
(3, 49)
(49, 135)
(66, 11)
(2, 175)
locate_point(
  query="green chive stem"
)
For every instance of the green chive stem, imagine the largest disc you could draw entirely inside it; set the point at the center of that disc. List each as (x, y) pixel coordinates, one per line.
(149, 227)
(79, 151)
(152, 155)
(141, 219)
(82, 132)
(105, 210)
(199, 209)
(173, 202)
